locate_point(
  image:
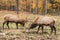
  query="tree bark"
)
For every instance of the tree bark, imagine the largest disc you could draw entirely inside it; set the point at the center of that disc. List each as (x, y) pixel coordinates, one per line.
(37, 6)
(17, 6)
(44, 7)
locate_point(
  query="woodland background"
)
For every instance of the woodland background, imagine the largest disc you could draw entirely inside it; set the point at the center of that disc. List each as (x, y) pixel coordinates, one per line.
(32, 6)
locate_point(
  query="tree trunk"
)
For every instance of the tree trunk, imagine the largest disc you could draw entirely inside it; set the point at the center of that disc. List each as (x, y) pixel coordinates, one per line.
(37, 6)
(44, 7)
(17, 6)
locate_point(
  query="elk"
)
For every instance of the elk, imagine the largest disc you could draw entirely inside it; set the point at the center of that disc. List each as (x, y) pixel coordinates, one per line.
(9, 18)
(43, 21)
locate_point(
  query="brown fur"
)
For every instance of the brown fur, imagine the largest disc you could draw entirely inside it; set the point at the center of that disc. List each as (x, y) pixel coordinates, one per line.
(44, 21)
(9, 18)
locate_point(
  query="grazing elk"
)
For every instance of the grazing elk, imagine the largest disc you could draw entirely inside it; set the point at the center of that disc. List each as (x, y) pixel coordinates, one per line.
(13, 19)
(44, 21)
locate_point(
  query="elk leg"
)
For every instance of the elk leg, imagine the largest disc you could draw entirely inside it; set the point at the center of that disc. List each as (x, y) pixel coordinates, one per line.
(8, 25)
(38, 28)
(51, 29)
(54, 29)
(42, 29)
(17, 25)
(3, 24)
